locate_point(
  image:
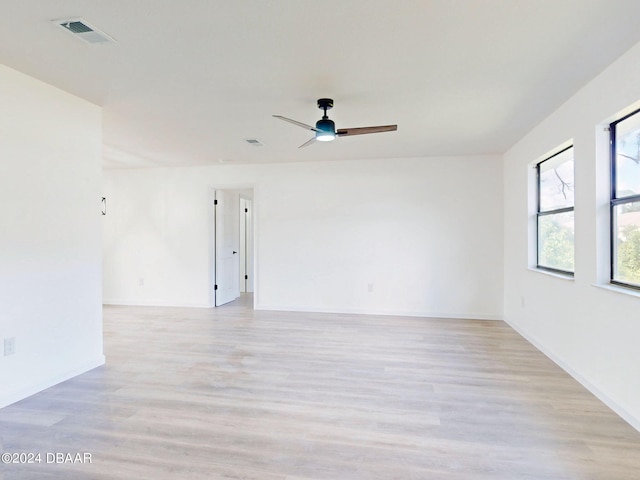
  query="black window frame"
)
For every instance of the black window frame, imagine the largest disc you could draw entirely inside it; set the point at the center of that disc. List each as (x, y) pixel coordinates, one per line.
(556, 211)
(616, 201)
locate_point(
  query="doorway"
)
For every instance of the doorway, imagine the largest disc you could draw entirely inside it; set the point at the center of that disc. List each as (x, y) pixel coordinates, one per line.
(233, 240)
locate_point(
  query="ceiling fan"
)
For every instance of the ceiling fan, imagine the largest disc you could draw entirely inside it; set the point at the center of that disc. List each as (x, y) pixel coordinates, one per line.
(325, 128)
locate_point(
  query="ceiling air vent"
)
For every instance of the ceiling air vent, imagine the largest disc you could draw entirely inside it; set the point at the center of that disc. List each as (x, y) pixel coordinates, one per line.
(80, 28)
(254, 141)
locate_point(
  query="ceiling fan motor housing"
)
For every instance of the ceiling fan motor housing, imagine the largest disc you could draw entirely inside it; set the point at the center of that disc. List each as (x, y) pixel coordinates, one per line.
(326, 125)
(325, 130)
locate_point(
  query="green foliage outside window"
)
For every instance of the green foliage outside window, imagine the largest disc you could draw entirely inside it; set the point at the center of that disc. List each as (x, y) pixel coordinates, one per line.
(629, 254)
(556, 243)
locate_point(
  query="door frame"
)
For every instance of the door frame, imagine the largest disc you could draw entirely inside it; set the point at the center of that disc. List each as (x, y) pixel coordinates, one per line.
(246, 244)
(212, 239)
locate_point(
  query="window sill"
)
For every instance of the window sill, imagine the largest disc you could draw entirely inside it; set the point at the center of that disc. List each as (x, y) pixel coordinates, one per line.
(618, 289)
(552, 274)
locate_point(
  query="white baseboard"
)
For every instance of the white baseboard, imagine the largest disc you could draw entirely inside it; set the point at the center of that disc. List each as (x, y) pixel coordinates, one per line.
(287, 308)
(152, 303)
(603, 397)
(398, 313)
(7, 398)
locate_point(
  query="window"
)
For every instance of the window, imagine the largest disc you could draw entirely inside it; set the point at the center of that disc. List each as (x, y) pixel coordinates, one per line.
(625, 201)
(555, 224)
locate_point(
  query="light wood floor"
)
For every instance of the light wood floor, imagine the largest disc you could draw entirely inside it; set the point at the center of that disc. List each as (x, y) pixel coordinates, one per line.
(230, 393)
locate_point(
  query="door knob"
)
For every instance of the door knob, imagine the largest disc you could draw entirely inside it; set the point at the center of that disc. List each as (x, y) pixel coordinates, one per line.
(234, 252)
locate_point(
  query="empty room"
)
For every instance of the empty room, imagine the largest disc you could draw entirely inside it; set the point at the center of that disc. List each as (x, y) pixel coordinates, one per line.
(320, 240)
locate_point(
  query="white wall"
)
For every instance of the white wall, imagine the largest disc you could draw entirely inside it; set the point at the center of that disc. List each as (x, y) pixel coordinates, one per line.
(426, 233)
(590, 330)
(50, 235)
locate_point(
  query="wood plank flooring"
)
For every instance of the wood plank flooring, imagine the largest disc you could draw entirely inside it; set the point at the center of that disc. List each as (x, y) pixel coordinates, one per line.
(230, 393)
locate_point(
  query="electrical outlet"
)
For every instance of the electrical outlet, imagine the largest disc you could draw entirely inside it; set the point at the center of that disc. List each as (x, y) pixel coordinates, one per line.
(370, 287)
(9, 346)
(141, 282)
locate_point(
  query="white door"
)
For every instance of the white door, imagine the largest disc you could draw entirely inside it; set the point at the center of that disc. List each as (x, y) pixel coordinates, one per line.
(227, 243)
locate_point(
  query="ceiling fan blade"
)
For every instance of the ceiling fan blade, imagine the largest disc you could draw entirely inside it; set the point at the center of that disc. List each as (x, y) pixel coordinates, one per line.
(345, 132)
(308, 142)
(295, 122)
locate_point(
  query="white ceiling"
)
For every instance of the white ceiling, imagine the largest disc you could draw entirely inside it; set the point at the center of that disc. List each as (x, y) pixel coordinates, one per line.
(187, 81)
